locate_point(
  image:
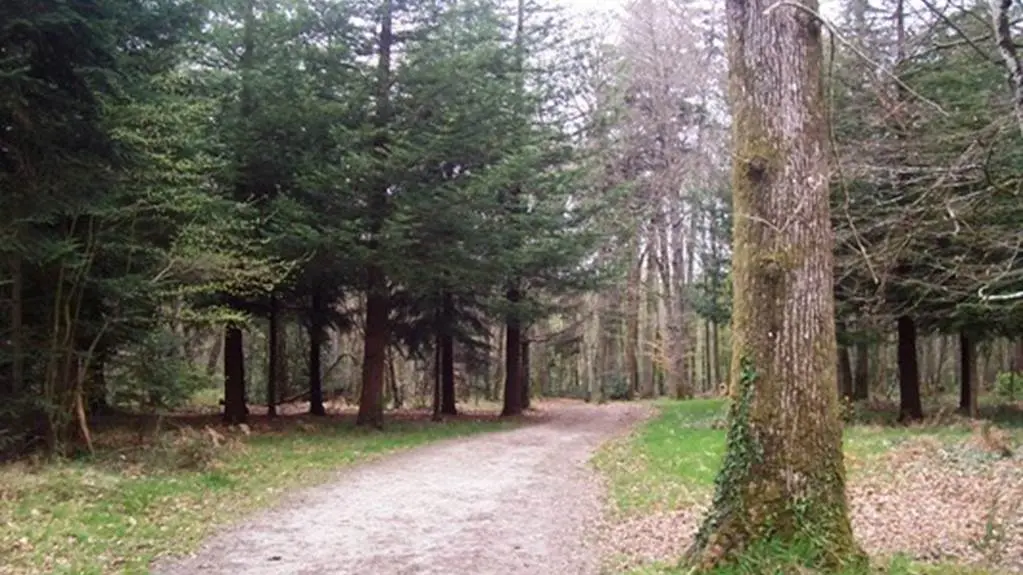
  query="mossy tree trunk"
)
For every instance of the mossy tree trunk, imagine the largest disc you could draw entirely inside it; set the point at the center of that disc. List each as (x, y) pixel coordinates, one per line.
(783, 478)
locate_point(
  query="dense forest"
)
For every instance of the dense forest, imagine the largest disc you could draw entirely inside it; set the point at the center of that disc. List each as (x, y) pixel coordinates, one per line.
(430, 203)
(244, 243)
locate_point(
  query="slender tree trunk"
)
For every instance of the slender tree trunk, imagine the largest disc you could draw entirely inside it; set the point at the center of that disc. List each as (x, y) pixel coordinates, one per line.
(235, 411)
(525, 373)
(632, 328)
(378, 304)
(316, 317)
(512, 362)
(967, 367)
(447, 357)
(910, 408)
(17, 383)
(845, 374)
(708, 362)
(861, 385)
(273, 369)
(1018, 361)
(783, 478)
(438, 376)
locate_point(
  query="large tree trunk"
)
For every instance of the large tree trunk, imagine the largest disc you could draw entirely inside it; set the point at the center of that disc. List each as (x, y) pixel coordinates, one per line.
(378, 301)
(374, 360)
(316, 321)
(910, 408)
(512, 361)
(235, 410)
(783, 478)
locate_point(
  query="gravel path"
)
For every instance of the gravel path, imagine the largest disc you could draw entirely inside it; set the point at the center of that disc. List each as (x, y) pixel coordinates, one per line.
(509, 503)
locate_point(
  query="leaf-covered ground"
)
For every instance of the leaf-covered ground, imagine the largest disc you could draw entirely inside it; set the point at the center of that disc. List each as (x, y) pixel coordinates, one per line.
(942, 497)
(147, 494)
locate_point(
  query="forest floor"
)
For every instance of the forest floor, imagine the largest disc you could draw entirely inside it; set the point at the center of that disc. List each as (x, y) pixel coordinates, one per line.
(519, 502)
(159, 486)
(940, 497)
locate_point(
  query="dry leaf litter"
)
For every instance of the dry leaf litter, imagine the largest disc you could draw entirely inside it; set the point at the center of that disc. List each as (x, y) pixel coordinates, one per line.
(960, 503)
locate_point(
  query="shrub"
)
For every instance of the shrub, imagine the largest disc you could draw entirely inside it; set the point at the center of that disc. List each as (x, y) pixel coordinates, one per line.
(1009, 385)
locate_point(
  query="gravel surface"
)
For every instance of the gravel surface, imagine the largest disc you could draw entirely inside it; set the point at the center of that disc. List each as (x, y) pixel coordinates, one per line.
(509, 503)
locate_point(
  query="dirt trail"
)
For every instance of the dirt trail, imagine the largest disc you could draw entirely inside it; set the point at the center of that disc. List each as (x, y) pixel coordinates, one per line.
(509, 503)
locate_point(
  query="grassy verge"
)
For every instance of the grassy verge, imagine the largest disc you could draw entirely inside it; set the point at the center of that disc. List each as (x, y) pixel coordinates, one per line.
(118, 511)
(670, 463)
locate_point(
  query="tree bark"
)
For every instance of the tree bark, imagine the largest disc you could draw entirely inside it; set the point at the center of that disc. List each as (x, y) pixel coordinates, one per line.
(437, 377)
(273, 368)
(632, 328)
(447, 361)
(512, 361)
(783, 477)
(316, 321)
(967, 369)
(235, 411)
(525, 373)
(1018, 361)
(845, 374)
(861, 379)
(910, 408)
(378, 304)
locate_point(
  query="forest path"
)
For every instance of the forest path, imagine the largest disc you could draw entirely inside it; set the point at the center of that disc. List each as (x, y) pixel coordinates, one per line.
(510, 503)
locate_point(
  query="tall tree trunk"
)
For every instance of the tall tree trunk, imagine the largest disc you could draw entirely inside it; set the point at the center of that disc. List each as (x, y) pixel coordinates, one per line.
(845, 374)
(910, 408)
(378, 304)
(512, 361)
(861, 384)
(632, 328)
(396, 391)
(785, 408)
(447, 357)
(1018, 361)
(648, 385)
(235, 410)
(708, 362)
(967, 367)
(283, 370)
(438, 376)
(273, 350)
(316, 322)
(17, 383)
(525, 373)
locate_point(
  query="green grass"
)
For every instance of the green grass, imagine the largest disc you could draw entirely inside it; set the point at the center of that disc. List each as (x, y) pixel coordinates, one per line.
(671, 462)
(675, 456)
(780, 564)
(107, 515)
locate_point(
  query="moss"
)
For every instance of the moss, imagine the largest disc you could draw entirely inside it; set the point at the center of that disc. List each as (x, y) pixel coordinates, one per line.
(752, 508)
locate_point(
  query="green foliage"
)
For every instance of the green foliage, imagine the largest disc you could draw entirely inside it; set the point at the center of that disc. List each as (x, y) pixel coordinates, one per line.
(1009, 385)
(154, 374)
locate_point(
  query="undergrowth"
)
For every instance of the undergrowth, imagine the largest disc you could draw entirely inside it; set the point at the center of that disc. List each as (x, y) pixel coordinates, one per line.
(119, 510)
(670, 463)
